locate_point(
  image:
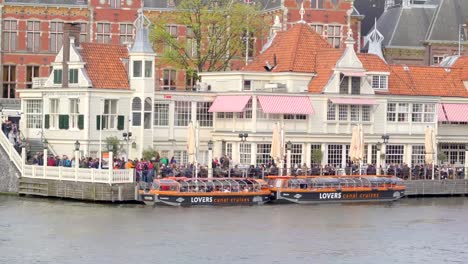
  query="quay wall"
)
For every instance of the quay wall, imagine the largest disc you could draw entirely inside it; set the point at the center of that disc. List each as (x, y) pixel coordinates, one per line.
(8, 174)
(99, 192)
(436, 187)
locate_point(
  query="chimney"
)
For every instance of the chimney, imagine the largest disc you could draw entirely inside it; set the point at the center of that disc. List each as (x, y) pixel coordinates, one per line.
(70, 30)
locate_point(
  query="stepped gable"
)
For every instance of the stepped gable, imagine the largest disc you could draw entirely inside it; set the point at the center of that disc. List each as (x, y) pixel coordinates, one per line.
(295, 51)
(423, 80)
(104, 65)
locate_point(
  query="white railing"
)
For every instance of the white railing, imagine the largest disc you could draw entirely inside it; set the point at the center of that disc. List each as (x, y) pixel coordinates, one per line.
(78, 174)
(14, 156)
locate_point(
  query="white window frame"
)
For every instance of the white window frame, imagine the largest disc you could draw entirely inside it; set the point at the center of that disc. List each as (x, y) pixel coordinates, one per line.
(103, 32)
(161, 114)
(418, 155)
(55, 35)
(334, 37)
(54, 112)
(33, 114)
(263, 153)
(125, 33)
(245, 153)
(74, 112)
(182, 113)
(33, 35)
(109, 117)
(10, 35)
(379, 82)
(394, 154)
(204, 118)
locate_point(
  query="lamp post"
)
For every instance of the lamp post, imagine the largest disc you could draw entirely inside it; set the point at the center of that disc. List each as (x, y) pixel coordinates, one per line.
(210, 158)
(45, 159)
(77, 158)
(385, 139)
(379, 151)
(127, 137)
(288, 157)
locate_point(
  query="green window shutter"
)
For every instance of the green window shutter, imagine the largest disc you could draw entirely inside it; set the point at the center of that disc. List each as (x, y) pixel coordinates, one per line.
(98, 122)
(60, 122)
(66, 123)
(80, 121)
(57, 76)
(46, 121)
(120, 122)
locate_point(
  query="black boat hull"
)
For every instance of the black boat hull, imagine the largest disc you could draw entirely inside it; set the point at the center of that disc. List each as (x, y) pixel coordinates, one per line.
(215, 200)
(336, 197)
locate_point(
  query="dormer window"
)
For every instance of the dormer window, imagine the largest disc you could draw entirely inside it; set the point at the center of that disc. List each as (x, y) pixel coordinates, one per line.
(57, 76)
(148, 69)
(380, 82)
(137, 68)
(350, 85)
(73, 75)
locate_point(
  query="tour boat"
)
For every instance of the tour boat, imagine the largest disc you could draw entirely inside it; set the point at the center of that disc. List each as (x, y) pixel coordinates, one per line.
(179, 191)
(326, 189)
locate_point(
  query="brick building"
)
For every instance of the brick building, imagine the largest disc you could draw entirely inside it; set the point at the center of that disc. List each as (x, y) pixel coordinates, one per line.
(32, 32)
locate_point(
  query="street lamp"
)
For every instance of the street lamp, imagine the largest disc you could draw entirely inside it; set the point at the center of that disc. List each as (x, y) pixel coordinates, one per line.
(288, 157)
(460, 36)
(243, 136)
(45, 143)
(77, 157)
(127, 137)
(210, 158)
(385, 139)
(378, 158)
(77, 146)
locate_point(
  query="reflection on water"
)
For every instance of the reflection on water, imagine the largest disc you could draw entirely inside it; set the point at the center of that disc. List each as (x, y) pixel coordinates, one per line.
(406, 231)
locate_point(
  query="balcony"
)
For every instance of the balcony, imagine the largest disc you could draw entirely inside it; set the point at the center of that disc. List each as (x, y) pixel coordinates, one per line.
(39, 82)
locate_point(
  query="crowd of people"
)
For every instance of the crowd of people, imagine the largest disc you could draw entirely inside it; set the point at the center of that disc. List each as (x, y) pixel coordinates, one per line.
(11, 131)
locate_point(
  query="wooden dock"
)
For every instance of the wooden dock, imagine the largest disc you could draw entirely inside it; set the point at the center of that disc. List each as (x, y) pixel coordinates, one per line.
(436, 187)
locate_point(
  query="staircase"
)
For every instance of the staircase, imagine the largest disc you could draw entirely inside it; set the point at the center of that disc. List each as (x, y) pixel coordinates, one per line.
(10, 166)
(35, 146)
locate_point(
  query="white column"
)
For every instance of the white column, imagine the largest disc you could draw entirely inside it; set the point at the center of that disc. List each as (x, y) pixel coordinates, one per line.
(45, 163)
(253, 153)
(210, 164)
(288, 162)
(111, 165)
(369, 153)
(408, 153)
(307, 156)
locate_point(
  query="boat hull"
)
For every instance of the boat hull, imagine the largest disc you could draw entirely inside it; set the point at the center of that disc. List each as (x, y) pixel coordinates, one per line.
(336, 197)
(210, 200)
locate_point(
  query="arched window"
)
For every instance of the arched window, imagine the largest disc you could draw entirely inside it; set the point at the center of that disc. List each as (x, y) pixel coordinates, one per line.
(136, 109)
(148, 110)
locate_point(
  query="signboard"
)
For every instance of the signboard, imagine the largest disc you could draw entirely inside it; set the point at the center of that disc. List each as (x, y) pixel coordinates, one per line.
(105, 160)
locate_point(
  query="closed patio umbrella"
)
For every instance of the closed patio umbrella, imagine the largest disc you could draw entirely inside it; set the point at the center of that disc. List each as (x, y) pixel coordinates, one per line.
(191, 144)
(429, 145)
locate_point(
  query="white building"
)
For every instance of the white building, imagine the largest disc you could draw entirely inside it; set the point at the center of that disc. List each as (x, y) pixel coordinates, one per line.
(319, 93)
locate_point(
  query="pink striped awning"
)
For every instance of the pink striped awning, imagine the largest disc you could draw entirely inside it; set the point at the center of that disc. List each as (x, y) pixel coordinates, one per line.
(441, 117)
(353, 101)
(230, 103)
(286, 105)
(353, 74)
(456, 112)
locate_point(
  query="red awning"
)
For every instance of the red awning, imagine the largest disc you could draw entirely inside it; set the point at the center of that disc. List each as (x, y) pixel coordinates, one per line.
(286, 105)
(441, 113)
(353, 101)
(230, 103)
(456, 112)
(353, 74)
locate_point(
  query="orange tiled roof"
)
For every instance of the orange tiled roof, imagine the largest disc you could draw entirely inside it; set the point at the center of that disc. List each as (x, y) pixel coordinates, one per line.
(104, 65)
(462, 64)
(295, 51)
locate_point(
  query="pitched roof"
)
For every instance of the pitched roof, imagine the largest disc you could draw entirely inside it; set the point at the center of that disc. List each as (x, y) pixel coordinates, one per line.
(104, 65)
(295, 51)
(49, 2)
(450, 14)
(462, 64)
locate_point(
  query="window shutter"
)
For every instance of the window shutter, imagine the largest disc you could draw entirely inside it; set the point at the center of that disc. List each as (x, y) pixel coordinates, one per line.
(46, 121)
(60, 122)
(120, 122)
(65, 121)
(80, 121)
(98, 122)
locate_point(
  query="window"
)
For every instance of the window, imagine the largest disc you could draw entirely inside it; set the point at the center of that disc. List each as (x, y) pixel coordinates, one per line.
(316, 4)
(366, 113)
(314, 149)
(161, 114)
(34, 113)
(343, 112)
(33, 35)
(247, 113)
(9, 81)
(169, 79)
(350, 85)
(455, 153)
(380, 82)
(191, 47)
(191, 80)
(331, 112)
(172, 30)
(247, 85)
(429, 113)
(349, 112)
(103, 34)
(334, 35)
(397, 112)
(126, 33)
(263, 153)
(56, 36)
(296, 155)
(227, 115)
(54, 111)
(148, 69)
(228, 150)
(57, 76)
(73, 73)
(354, 112)
(137, 68)
(110, 114)
(335, 155)
(181, 156)
(418, 155)
(83, 32)
(344, 84)
(31, 72)
(136, 108)
(294, 117)
(355, 85)
(74, 113)
(204, 117)
(182, 113)
(245, 155)
(9, 35)
(394, 154)
(115, 3)
(436, 60)
(148, 110)
(317, 28)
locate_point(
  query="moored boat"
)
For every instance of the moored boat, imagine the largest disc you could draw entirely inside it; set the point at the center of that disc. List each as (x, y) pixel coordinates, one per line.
(326, 189)
(178, 191)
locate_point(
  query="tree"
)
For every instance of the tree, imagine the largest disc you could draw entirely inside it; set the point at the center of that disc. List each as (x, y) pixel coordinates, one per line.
(150, 153)
(216, 31)
(442, 157)
(113, 144)
(317, 156)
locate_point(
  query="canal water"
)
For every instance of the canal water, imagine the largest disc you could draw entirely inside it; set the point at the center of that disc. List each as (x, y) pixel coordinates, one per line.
(430, 230)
